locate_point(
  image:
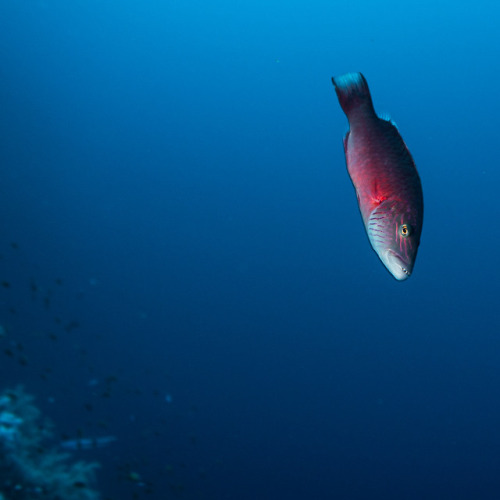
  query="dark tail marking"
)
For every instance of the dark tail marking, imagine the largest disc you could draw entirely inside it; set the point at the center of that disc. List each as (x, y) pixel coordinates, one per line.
(352, 91)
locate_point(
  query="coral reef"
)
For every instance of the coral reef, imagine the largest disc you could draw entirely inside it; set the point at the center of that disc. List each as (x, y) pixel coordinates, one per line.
(28, 469)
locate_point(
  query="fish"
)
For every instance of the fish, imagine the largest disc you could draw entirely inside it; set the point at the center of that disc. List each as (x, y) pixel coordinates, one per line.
(87, 443)
(384, 176)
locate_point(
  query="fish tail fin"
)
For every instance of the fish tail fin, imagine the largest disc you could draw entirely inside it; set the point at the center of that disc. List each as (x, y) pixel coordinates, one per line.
(352, 92)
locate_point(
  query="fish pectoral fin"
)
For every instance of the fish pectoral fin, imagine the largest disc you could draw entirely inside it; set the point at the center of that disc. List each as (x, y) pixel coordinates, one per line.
(376, 196)
(377, 200)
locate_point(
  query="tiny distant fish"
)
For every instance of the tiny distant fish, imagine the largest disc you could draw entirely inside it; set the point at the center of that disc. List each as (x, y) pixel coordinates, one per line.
(384, 176)
(72, 325)
(87, 443)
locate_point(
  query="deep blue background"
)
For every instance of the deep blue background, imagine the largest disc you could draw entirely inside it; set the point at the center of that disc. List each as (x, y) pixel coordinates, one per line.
(173, 179)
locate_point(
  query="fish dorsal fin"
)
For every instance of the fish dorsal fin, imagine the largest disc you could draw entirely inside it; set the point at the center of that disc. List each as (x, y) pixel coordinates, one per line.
(387, 118)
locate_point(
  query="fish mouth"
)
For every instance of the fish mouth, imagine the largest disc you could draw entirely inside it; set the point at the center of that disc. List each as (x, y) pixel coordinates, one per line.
(400, 269)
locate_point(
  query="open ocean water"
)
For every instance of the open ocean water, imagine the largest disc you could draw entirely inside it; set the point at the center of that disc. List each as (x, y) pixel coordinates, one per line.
(184, 268)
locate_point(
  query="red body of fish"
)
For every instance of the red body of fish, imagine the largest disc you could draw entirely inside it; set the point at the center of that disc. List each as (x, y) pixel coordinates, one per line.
(384, 176)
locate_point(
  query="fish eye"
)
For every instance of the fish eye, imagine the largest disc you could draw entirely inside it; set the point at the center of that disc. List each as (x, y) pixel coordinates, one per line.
(404, 230)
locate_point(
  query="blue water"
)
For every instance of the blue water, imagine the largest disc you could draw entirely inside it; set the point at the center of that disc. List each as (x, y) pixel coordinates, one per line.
(184, 263)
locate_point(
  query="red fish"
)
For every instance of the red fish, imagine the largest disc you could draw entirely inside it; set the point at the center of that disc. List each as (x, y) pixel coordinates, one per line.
(384, 176)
